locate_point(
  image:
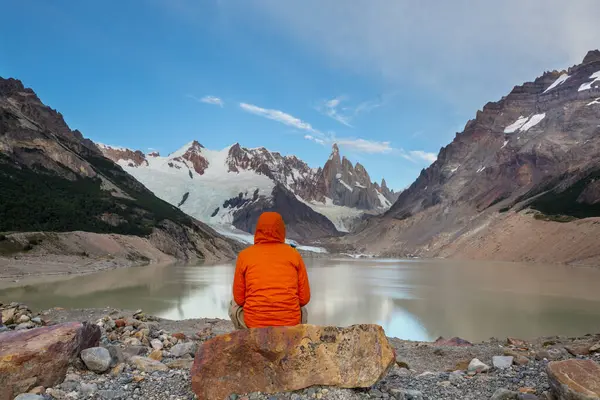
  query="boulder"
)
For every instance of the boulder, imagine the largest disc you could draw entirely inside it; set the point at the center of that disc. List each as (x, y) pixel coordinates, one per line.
(477, 367)
(278, 359)
(504, 394)
(40, 356)
(97, 359)
(453, 342)
(575, 379)
(578, 349)
(180, 350)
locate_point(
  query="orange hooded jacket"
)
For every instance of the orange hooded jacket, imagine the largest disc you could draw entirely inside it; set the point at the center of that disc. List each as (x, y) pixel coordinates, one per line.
(270, 280)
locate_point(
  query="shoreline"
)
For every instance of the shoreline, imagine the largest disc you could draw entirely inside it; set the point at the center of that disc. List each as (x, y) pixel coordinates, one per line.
(427, 370)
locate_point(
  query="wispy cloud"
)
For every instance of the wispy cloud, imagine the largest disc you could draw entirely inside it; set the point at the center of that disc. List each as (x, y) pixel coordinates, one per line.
(279, 116)
(366, 146)
(344, 113)
(330, 109)
(217, 101)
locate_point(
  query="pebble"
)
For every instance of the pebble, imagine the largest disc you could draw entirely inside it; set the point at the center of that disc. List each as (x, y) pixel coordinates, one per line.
(179, 350)
(477, 367)
(502, 362)
(97, 359)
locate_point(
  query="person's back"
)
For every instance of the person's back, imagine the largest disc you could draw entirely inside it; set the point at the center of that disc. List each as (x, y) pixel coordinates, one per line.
(271, 284)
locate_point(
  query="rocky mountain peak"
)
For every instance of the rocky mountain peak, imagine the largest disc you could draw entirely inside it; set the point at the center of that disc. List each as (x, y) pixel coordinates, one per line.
(194, 156)
(154, 154)
(591, 56)
(133, 158)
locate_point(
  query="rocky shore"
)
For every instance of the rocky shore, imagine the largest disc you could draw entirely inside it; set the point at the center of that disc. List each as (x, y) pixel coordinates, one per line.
(143, 357)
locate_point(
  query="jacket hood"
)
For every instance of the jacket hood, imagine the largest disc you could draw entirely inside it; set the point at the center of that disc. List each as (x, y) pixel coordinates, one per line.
(269, 229)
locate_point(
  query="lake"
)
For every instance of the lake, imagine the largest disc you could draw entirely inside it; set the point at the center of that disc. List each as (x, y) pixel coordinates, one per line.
(411, 299)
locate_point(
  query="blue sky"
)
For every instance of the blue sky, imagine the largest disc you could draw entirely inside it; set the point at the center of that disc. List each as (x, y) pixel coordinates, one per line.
(391, 81)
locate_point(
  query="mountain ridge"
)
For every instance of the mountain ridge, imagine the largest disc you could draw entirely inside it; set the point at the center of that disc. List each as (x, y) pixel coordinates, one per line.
(237, 179)
(534, 153)
(54, 179)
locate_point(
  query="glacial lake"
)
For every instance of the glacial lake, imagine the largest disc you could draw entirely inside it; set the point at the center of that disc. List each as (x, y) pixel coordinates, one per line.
(411, 299)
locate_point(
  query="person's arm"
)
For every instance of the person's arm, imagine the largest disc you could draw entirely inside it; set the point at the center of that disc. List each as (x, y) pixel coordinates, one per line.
(239, 282)
(303, 285)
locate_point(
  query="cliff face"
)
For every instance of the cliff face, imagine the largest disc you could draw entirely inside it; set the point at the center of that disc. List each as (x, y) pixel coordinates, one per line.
(538, 148)
(53, 179)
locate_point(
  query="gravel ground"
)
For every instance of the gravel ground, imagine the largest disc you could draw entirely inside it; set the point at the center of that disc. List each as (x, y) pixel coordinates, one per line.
(424, 371)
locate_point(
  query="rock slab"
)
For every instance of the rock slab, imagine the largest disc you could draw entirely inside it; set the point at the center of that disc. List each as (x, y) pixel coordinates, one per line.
(40, 356)
(278, 359)
(575, 379)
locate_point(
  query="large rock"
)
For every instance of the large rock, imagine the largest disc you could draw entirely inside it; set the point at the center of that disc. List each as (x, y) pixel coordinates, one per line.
(97, 359)
(575, 379)
(277, 359)
(40, 357)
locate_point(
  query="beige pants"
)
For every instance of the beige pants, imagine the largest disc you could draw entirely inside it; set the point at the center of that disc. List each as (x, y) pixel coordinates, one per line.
(236, 314)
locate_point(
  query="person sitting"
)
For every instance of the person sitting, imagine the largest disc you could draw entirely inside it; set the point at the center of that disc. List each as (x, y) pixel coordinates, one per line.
(270, 285)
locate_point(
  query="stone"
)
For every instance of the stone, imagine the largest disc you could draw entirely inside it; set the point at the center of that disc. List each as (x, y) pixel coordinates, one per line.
(132, 342)
(477, 367)
(180, 350)
(147, 365)
(580, 349)
(41, 356)
(516, 342)
(504, 394)
(37, 320)
(29, 396)
(117, 370)
(453, 342)
(23, 319)
(575, 379)
(291, 358)
(116, 355)
(120, 323)
(8, 316)
(502, 362)
(181, 364)
(552, 354)
(156, 344)
(25, 325)
(595, 348)
(179, 336)
(156, 355)
(96, 359)
(134, 351)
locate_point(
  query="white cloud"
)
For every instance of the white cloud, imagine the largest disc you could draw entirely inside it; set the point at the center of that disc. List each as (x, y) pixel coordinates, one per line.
(366, 146)
(279, 116)
(422, 156)
(314, 139)
(212, 100)
(208, 100)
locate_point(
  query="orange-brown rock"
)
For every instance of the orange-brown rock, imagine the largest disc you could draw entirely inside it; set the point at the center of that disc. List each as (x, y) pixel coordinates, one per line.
(278, 359)
(575, 379)
(40, 356)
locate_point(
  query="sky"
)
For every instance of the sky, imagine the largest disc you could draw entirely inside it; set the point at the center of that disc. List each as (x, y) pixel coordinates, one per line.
(390, 81)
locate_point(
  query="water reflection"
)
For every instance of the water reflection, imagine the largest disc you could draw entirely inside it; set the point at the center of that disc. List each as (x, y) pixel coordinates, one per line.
(417, 300)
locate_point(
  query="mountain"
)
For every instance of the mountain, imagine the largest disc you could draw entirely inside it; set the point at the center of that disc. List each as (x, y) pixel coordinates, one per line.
(53, 179)
(235, 185)
(521, 182)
